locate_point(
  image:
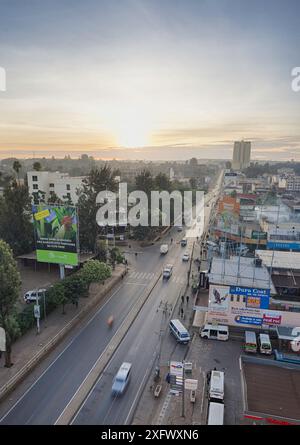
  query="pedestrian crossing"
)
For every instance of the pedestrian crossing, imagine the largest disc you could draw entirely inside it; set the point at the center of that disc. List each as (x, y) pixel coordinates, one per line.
(150, 276)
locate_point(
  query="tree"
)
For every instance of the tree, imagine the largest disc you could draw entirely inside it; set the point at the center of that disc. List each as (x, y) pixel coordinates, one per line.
(59, 295)
(145, 182)
(74, 288)
(162, 182)
(96, 181)
(9, 293)
(15, 218)
(94, 271)
(193, 183)
(37, 166)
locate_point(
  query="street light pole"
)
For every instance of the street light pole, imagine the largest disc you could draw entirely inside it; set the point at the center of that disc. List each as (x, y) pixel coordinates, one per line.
(183, 392)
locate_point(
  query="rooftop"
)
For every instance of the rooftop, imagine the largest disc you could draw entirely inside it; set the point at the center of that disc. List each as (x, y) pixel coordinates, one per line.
(271, 389)
(240, 271)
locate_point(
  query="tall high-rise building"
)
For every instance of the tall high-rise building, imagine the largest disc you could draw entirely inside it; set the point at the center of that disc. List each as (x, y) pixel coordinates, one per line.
(241, 155)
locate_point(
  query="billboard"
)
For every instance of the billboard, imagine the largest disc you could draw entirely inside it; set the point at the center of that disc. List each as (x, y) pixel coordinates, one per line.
(56, 234)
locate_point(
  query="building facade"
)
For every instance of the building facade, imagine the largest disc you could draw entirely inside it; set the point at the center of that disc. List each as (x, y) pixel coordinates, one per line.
(241, 155)
(58, 184)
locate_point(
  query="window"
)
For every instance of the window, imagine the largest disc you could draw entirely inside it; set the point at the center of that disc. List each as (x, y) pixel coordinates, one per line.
(244, 299)
(231, 298)
(35, 186)
(51, 193)
(68, 187)
(69, 195)
(51, 185)
(34, 178)
(238, 298)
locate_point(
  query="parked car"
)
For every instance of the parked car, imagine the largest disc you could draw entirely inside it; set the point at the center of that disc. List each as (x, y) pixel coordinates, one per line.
(183, 242)
(30, 296)
(186, 256)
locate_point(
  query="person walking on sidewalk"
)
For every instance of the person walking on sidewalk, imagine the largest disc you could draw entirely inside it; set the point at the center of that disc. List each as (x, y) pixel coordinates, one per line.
(187, 299)
(181, 311)
(182, 299)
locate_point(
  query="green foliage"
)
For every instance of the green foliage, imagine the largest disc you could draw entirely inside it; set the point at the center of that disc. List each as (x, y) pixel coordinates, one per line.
(94, 271)
(10, 283)
(97, 180)
(116, 256)
(15, 218)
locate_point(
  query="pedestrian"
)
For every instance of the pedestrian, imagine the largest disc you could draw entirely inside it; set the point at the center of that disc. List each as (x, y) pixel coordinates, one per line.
(187, 299)
(198, 268)
(181, 311)
(182, 299)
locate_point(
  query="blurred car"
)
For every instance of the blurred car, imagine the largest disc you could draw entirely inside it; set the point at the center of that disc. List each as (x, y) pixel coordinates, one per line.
(186, 256)
(122, 379)
(183, 242)
(168, 270)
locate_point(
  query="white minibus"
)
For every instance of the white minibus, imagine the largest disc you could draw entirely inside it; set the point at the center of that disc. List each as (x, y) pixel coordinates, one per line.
(265, 346)
(179, 331)
(215, 332)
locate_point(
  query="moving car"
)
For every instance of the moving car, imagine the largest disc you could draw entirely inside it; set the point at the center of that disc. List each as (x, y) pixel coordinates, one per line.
(183, 242)
(186, 256)
(30, 296)
(122, 379)
(179, 229)
(168, 270)
(164, 249)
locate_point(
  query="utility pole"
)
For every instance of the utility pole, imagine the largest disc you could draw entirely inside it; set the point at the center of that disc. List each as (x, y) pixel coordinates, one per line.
(183, 392)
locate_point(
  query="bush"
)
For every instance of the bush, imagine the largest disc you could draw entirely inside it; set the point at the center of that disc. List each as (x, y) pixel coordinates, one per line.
(94, 271)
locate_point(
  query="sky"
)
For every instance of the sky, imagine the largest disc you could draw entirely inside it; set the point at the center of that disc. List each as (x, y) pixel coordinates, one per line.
(149, 79)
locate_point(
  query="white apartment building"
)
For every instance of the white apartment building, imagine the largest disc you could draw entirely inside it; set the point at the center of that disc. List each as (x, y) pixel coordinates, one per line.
(50, 183)
(241, 155)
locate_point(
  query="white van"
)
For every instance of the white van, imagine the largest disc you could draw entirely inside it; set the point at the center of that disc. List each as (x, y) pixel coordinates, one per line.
(215, 414)
(216, 386)
(179, 331)
(265, 346)
(215, 332)
(250, 342)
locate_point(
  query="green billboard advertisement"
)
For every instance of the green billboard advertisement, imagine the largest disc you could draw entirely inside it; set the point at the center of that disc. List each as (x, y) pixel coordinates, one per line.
(56, 234)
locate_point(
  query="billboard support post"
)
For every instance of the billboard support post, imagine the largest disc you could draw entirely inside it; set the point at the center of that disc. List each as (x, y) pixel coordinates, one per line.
(62, 271)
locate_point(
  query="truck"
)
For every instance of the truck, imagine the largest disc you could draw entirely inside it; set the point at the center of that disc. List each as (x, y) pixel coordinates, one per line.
(164, 249)
(216, 387)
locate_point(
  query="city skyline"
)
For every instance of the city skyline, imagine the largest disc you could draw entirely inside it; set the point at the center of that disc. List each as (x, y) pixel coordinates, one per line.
(149, 80)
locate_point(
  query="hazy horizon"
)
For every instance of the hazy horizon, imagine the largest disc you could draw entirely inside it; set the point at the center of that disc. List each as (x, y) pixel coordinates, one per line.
(149, 79)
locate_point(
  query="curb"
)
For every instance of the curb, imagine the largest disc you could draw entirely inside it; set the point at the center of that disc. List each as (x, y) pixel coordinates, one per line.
(37, 358)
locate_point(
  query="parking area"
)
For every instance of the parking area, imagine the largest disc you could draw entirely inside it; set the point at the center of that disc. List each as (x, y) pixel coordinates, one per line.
(224, 356)
(40, 278)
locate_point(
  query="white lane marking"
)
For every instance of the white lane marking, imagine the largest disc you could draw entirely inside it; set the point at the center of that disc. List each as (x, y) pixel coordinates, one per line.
(62, 352)
(138, 392)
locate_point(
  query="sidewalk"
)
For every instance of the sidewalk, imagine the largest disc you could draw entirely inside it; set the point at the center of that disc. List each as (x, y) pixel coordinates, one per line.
(54, 328)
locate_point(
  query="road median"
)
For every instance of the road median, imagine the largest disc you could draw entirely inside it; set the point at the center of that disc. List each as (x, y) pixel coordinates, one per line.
(87, 385)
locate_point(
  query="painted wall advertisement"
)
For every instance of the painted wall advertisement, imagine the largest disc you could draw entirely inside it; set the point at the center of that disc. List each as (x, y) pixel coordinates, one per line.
(252, 310)
(219, 298)
(56, 234)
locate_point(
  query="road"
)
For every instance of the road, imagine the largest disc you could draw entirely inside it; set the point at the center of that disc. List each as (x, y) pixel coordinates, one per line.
(46, 398)
(141, 345)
